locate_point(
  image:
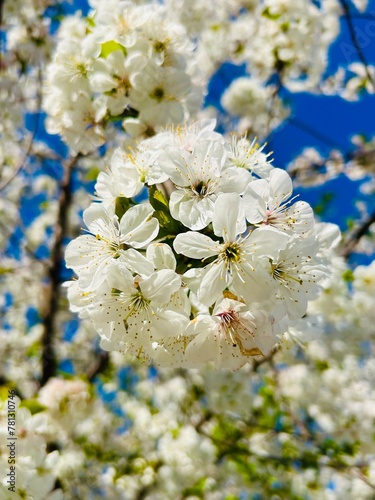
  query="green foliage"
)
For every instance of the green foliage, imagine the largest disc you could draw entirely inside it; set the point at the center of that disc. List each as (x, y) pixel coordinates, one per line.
(348, 276)
(324, 203)
(197, 490)
(32, 405)
(92, 174)
(122, 206)
(268, 14)
(169, 227)
(109, 47)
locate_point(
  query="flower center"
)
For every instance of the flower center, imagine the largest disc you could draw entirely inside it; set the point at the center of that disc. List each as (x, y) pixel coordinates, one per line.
(158, 94)
(283, 274)
(200, 188)
(227, 319)
(237, 332)
(139, 302)
(231, 252)
(159, 46)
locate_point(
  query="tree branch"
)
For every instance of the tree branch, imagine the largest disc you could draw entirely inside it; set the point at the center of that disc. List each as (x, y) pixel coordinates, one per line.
(356, 235)
(353, 36)
(266, 359)
(101, 364)
(49, 363)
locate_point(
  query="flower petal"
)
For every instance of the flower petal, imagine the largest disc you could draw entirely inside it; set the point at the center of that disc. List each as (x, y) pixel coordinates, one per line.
(195, 245)
(161, 285)
(138, 227)
(229, 217)
(136, 262)
(281, 187)
(215, 279)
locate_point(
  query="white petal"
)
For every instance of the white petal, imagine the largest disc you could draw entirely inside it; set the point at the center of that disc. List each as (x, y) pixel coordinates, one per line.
(255, 205)
(138, 227)
(195, 245)
(175, 164)
(136, 262)
(79, 252)
(302, 217)
(119, 276)
(281, 186)
(161, 285)
(185, 208)
(89, 258)
(93, 213)
(229, 218)
(266, 241)
(234, 179)
(161, 255)
(328, 234)
(200, 350)
(168, 323)
(259, 187)
(205, 152)
(215, 279)
(254, 284)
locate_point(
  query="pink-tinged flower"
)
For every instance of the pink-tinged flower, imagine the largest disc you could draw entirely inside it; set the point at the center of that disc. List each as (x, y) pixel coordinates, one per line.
(229, 337)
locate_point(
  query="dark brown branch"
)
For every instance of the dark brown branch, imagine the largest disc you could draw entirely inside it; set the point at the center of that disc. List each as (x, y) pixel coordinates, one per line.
(353, 36)
(266, 359)
(353, 239)
(49, 363)
(101, 364)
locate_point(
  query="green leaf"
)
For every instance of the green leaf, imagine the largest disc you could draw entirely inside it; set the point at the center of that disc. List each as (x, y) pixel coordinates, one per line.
(168, 225)
(32, 405)
(158, 200)
(348, 276)
(122, 206)
(268, 14)
(33, 349)
(90, 21)
(197, 489)
(109, 47)
(5, 270)
(92, 174)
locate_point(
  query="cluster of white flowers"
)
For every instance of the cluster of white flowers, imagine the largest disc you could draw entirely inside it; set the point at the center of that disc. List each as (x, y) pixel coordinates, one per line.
(35, 465)
(258, 106)
(125, 63)
(24, 49)
(290, 37)
(213, 267)
(280, 43)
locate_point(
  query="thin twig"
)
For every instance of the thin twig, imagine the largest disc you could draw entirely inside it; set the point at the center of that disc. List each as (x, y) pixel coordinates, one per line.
(266, 359)
(354, 238)
(353, 36)
(314, 133)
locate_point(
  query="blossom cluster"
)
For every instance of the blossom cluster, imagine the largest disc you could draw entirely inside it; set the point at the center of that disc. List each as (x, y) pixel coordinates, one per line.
(212, 267)
(270, 36)
(124, 63)
(24, 49)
